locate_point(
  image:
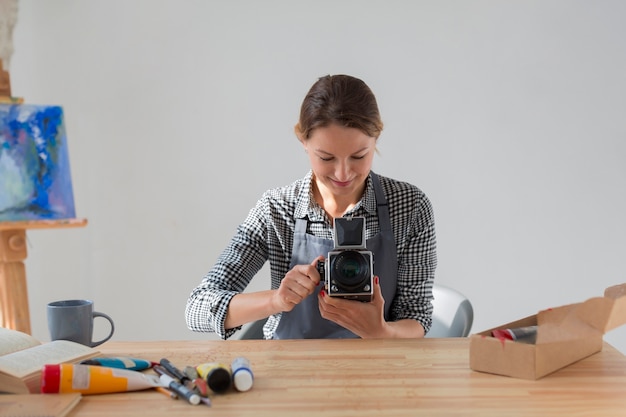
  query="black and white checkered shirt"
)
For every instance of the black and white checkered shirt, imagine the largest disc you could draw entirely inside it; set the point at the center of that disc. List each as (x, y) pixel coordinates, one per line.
(267, 234)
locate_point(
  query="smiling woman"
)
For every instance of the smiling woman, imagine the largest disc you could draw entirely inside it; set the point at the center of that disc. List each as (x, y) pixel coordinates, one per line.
(341, 158)
(292, 227)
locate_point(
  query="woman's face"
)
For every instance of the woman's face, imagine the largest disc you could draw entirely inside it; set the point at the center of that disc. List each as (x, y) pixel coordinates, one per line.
(341, 159)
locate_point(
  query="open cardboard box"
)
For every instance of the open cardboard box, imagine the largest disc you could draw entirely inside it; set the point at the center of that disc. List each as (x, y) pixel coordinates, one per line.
(565, 335)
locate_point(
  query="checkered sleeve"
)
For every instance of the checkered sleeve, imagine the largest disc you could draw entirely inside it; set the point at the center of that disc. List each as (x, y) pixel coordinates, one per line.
(417, 257)
(245, 255)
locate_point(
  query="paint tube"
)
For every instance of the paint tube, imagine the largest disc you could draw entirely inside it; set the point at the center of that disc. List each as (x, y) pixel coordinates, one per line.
(120, 362)
(191, 372)
(527, 334)
(90, 379)
(216, 375)
(180, 389)
(242, 374)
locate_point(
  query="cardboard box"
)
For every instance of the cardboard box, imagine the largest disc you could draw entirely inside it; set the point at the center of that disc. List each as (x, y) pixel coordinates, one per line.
(565, 335)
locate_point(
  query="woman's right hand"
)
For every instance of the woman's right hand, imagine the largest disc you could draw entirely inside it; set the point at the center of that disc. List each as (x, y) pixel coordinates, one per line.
(300, 282)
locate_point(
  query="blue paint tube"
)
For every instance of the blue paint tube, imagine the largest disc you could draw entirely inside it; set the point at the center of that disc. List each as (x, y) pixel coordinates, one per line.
(120, 362)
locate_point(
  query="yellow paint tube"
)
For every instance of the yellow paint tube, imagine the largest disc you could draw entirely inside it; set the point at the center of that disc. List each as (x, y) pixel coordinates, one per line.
(216, 375)
(91, 379)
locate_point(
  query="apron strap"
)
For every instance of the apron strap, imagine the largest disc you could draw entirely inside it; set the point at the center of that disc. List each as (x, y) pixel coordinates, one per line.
(300, 226)
(382, 208)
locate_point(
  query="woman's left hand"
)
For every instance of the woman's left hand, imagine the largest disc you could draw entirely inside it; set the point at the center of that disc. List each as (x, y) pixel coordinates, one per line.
(364, 319)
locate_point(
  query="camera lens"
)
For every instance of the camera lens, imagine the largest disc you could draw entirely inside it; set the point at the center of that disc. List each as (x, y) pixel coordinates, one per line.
(350, 270)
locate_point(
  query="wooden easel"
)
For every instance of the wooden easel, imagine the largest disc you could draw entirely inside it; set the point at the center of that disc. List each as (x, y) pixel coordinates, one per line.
(5, 83)
(14, 310)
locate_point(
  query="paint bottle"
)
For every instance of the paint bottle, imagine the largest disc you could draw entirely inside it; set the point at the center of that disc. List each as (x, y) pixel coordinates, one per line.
(242, 374)
(527, 334)
(90, 379)
(216, 375)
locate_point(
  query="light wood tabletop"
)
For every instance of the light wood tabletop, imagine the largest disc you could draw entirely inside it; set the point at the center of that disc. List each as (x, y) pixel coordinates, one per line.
(429, 377)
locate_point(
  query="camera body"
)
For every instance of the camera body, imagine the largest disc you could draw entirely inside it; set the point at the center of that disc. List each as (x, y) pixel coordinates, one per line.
(348, 271)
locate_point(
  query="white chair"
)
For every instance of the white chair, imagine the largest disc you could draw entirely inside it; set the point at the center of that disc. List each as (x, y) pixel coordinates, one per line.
(453, 314)
(253, 330)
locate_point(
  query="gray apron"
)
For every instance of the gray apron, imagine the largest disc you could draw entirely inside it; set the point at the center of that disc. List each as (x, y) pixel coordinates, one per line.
(304, 320)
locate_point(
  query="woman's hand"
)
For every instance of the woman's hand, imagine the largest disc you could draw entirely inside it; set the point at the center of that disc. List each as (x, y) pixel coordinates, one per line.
(364, 319)
(367, 320)
(300, 282)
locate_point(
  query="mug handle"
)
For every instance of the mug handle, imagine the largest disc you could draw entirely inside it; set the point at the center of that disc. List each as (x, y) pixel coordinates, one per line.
(97, 314)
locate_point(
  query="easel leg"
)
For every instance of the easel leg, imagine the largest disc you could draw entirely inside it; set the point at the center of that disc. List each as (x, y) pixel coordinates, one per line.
(14, 310)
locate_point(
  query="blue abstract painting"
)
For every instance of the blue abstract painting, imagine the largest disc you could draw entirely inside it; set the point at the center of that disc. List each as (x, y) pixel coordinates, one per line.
(35, 180)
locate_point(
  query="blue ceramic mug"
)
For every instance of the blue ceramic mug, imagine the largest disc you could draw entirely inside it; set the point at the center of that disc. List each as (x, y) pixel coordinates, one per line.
(73, 320)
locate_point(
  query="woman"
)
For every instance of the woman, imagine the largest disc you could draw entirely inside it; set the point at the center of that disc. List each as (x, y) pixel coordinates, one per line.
(292, 227)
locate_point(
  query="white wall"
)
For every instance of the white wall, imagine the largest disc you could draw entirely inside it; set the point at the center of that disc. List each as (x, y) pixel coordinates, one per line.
(509, 115)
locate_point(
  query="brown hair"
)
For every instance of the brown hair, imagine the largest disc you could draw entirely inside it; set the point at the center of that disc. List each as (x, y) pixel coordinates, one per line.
(341, 99)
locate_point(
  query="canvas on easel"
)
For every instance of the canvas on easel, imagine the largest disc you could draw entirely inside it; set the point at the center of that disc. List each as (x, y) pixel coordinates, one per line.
(35, 180)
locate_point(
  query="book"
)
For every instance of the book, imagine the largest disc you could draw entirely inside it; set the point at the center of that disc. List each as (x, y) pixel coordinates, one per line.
(40, 405)
(22, 358)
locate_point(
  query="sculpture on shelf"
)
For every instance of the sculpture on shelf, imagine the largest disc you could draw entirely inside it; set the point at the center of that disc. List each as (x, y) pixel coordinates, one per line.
(8, 20)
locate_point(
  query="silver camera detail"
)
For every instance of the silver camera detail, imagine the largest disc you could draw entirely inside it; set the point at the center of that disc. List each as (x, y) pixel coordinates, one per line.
(348, 271)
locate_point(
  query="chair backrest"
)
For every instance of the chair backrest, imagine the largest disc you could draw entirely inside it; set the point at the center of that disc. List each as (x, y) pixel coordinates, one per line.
(253, 330)
(453, 314)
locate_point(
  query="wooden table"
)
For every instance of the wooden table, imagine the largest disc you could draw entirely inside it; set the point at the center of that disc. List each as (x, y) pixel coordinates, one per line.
(429, 377)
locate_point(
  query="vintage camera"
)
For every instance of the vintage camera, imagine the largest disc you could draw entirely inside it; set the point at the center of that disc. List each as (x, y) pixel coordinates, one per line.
(348, 271)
